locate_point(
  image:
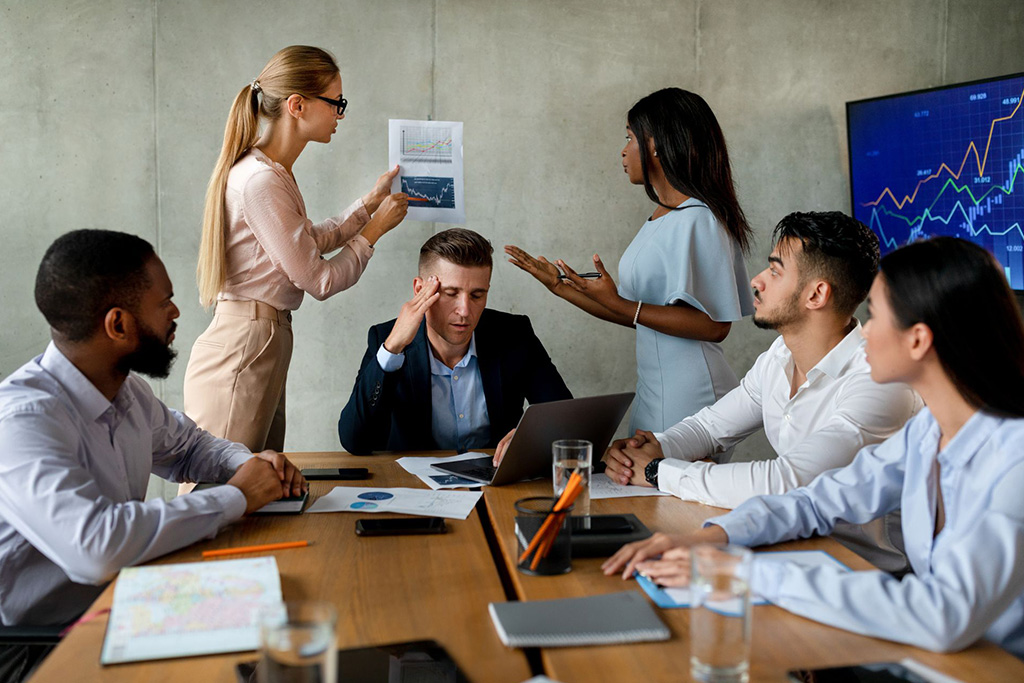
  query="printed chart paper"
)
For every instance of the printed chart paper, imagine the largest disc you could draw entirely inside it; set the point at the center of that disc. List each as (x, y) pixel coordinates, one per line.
(451, 504)
(602, 487)
(421, 466)
(182, 610)
(430, 156)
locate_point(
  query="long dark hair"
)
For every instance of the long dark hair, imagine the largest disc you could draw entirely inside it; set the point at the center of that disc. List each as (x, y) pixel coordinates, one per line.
(958, 290)
(692, 152)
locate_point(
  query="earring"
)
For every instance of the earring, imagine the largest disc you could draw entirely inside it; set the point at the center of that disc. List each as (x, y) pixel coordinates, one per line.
(655, 152)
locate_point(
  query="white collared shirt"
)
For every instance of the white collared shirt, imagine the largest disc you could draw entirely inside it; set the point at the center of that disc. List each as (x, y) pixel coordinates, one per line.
(73, 474)
(968, 581)
(837, 411)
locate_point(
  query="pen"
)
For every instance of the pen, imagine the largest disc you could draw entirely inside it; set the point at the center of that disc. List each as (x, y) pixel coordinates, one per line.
(418, 199)
(585, 276)
(255, 548)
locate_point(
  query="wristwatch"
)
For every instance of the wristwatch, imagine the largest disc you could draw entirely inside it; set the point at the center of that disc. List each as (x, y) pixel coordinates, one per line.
(651, 472)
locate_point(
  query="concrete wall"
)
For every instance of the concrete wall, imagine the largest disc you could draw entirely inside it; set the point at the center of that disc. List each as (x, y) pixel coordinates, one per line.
(113, 113)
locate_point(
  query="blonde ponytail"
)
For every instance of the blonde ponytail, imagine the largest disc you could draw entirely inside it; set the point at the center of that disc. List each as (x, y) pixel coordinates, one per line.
(300, 69)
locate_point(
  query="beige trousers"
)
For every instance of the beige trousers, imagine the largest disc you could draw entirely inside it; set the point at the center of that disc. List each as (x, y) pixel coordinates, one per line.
(235, 379)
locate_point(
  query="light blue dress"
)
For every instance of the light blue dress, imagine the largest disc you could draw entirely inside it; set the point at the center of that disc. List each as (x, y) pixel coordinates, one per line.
(684, 256)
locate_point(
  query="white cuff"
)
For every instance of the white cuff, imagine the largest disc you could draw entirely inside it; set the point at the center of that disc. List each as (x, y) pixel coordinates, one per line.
(389, 362)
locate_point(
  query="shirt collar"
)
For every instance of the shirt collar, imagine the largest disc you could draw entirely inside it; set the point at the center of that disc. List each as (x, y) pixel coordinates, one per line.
(968, 441)
(439, 368)
(836, 360)
(89, 401)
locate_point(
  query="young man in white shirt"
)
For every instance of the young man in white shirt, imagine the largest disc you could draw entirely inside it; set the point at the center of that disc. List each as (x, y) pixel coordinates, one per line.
(811, 391)
(80, 434)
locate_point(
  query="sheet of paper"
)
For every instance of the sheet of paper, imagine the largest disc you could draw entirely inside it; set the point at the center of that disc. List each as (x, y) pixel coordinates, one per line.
(603, 487)
(435, 479)
(430, 156)
(451, 504)
(183, 610)
(680, 597)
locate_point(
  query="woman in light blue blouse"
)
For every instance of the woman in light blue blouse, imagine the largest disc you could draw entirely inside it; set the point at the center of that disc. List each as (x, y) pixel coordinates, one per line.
(682, 279)
(944, 321)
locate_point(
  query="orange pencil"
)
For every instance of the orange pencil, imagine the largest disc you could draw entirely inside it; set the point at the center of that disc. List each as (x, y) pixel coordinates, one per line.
(572, 490)
(255, 548)
(417, 199)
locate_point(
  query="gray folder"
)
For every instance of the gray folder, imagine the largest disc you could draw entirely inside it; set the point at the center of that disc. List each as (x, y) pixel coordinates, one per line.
(594, 620)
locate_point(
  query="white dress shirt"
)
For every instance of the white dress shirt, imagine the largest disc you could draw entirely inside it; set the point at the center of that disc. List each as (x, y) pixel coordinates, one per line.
(837, 411)
(967, 582)
(73, 474)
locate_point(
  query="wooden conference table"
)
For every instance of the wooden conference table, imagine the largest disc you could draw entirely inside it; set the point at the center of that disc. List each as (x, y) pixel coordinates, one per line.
(392, 589)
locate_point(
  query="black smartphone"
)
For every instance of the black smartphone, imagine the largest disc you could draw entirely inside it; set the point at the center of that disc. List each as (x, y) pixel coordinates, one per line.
(601, 524)
(879, 672)
(336, 473)
(400, 526)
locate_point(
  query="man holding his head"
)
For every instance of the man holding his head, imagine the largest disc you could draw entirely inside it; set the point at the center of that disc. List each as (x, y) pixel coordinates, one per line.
(80, 434)
(811, 391)
(448, 373)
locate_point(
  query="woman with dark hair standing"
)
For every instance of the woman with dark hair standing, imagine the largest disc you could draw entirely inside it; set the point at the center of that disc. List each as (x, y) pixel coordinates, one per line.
(944, 321)
(260, 253)
(682, 281)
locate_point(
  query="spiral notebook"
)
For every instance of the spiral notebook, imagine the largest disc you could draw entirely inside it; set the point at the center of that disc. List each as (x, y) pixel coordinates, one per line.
(594, 620)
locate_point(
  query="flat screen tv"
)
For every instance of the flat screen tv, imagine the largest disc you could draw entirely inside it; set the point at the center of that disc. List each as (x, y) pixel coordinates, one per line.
(943, 161)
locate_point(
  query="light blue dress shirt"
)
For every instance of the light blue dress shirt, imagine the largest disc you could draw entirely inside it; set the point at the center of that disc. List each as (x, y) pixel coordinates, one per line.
(73, 474)
(685, 256)
(459, 419)
(967, 582)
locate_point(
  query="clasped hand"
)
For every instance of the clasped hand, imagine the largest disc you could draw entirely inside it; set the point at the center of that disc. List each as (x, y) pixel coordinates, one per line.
(626, 459)
(267, 477)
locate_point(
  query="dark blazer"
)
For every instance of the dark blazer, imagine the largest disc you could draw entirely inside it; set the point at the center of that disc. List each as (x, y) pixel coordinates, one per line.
(392, 410)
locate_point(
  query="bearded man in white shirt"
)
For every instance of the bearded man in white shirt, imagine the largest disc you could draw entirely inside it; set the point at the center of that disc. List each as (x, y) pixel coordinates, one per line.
(811, 391)
(80, 434)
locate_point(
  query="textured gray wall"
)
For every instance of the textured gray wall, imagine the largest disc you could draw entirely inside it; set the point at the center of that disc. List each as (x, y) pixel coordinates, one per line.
(113, 113)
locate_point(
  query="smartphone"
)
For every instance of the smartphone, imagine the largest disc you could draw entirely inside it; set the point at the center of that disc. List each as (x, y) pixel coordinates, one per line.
(331, 473)
(879, 672)
(584, 276)
(400, 526)
(601, 524)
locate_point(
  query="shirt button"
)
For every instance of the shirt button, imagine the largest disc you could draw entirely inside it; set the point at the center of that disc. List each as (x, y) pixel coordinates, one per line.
(788, 417)
(456, 377)
(461, 416)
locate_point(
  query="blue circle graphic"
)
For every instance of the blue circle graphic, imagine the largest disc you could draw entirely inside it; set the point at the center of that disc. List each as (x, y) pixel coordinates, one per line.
(376, 495)
(363, 506)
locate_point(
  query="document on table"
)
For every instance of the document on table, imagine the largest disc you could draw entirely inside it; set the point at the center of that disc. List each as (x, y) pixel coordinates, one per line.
(680, 597)
(603, 487)
(195, 608)
(435, 479)
(451, 504)
(430, 156)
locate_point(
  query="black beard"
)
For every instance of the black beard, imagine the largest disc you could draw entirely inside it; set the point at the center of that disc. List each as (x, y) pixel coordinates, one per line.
(763, 324)
(154, 357)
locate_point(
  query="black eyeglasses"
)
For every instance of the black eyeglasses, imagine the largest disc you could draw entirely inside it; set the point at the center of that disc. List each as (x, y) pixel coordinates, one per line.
(340, 104)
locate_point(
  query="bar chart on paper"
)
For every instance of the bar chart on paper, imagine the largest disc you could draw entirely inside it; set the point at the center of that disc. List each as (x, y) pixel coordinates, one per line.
(948, 161)
(430, 156)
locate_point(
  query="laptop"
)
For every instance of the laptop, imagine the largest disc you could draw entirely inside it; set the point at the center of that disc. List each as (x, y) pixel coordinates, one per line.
(594, 418)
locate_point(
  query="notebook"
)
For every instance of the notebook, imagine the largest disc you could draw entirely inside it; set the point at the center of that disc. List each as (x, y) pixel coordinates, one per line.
(594, 620)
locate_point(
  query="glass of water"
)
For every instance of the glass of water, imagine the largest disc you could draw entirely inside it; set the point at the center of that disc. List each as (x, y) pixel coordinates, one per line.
(720, 613)
(568, 456)
(298, 643)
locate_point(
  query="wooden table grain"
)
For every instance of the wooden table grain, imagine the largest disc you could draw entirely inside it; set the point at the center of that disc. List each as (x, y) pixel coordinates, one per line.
(386, 589)
(781, 641)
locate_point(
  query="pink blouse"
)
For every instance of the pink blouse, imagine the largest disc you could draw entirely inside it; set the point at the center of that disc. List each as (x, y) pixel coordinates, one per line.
(274, 251)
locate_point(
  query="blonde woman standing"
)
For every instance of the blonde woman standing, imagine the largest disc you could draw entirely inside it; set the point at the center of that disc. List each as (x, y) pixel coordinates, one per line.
(260, 254)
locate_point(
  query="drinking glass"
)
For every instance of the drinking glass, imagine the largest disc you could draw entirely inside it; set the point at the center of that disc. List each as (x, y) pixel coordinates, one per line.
(568, 456)
(298, 643)
(720, 613)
